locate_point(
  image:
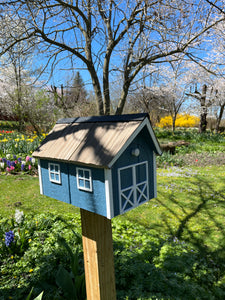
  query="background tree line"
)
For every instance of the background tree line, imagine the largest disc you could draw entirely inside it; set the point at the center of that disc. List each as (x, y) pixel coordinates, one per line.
(155, 56)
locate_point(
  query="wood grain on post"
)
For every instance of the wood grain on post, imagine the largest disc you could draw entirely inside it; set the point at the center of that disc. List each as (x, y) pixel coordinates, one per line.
(98, 256)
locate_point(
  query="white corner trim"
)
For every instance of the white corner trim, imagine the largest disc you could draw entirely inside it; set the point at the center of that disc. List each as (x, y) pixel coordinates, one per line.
(40, 177)
(109, 193)
(154, 175)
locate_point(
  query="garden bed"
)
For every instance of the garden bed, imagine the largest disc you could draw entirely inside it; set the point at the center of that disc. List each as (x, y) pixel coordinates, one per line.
(172, 247)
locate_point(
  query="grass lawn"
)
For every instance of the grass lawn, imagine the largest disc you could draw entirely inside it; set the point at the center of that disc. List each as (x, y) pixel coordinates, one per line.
(170, 248)
(190, 204)
(23, 193)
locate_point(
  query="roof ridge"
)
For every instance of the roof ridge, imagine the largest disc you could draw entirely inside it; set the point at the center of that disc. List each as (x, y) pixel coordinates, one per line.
(110, 118)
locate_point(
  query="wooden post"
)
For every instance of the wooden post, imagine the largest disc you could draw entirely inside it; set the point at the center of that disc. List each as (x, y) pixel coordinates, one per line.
(98, 256)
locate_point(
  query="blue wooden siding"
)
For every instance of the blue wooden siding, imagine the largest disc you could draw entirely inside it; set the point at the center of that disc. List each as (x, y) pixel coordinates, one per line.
(92, 201)
(55, 190)
(95, 201)
(68, 191)
(144, 144)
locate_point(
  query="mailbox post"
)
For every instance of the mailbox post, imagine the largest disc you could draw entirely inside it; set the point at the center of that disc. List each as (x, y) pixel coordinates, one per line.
(106, 166)
(98, 256)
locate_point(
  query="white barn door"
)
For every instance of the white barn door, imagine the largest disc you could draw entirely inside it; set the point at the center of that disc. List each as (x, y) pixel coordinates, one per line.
(133, 185)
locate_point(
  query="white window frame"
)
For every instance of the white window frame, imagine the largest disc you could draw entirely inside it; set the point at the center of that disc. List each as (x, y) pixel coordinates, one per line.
(54, 172)
(85, 179)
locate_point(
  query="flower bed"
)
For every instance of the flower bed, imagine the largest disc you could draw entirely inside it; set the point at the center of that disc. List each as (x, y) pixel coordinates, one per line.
(16, 150)
(11, 164)
(17, 143)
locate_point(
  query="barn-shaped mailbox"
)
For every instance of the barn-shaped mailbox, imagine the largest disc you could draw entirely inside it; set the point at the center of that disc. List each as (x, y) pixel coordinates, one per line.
(103, 164)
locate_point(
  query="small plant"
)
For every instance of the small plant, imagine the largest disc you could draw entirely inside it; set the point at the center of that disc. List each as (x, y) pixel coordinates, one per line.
(39, 297)
(168, 160)
(71, 283)
(15, 240)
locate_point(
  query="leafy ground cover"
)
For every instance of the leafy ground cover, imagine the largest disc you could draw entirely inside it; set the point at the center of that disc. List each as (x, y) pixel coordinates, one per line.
(169, 248)
(203, 149)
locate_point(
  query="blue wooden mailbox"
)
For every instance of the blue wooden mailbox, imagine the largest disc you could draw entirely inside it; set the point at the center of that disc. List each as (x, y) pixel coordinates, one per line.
(104, 164)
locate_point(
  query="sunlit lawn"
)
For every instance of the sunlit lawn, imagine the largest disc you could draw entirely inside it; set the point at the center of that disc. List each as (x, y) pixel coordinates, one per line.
(178, 252)
(22, 192)
(190, 204)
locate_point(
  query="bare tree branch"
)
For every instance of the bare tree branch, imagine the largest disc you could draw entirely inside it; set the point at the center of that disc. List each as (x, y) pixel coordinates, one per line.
(110, 38)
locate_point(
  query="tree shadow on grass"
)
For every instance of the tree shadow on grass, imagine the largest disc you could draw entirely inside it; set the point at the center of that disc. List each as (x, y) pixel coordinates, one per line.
(201, 218)
(176, 272)
(190, 262)
(185, 261)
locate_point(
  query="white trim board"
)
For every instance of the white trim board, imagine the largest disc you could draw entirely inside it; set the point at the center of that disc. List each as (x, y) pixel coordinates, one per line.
(109, 194)
(40, 177)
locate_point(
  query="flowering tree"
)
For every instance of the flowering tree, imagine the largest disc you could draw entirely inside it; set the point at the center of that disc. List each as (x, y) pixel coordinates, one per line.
(5, 110)
(172, 89)
(208, 93)
(207, 80)
(15, 66)
(219, 86)
(111, 37)
(19, 97)
(166, 93)
(218, 58)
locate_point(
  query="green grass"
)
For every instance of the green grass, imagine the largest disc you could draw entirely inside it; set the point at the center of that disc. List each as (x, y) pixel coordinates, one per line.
(170, 248)
(22, 192)
(190, 206)
(187, 205)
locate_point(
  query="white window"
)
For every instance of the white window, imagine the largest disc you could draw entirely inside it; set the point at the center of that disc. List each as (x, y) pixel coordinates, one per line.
(84, 180)
(54, 173)
(133, 185)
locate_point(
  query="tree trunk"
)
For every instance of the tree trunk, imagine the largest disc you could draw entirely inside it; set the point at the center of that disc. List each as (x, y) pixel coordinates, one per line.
(98, 94)
(121, 103)
(203, 121)
(204, 111)
(173, 122)
(218, 120)
(123, 97)
(106, 93)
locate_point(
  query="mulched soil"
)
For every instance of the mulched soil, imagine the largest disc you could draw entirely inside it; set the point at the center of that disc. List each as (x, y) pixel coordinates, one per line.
(203, 159)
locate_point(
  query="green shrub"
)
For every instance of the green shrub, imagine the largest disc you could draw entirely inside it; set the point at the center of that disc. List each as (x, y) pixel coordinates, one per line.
(146, 266)
(34, 256)
(168, 160)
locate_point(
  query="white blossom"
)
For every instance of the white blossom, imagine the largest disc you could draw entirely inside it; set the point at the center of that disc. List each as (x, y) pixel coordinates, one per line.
(19, 215)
